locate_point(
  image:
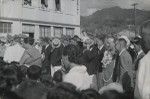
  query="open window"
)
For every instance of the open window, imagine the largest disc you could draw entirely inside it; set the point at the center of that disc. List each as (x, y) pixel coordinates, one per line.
(28, 2)
(44, 3)
(58, 5)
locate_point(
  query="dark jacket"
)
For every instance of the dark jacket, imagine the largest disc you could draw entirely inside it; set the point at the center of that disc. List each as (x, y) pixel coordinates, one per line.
(56, 56)
(47, 53)
(139, 57)
(92, 59)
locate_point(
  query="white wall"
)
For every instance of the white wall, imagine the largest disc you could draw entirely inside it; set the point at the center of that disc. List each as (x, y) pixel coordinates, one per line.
(13, 11)
(68, 14)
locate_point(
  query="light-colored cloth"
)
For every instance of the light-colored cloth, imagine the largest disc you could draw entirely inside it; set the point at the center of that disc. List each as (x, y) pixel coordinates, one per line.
(13, 53)
(142, 89)
(79, 77)
(31, 57)
(54, 69)
(112, 86)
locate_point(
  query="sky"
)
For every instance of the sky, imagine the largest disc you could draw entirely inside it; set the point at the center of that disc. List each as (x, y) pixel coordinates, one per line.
(90, 6)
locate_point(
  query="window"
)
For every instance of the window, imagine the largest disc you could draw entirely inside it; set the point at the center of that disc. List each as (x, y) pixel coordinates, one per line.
(45, 31)
(70, 31)
(44, 3)
(5, 27)
(58, 5)
(28, 30)
(58, 31)
(28, 2)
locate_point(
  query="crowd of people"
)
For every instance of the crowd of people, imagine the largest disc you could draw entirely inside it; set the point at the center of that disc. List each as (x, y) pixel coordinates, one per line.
(103, 67)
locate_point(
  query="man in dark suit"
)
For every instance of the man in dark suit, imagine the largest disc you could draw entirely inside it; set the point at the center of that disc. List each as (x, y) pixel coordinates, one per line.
(140, 53)
(56, 55)
(46, 51)
(98, 64)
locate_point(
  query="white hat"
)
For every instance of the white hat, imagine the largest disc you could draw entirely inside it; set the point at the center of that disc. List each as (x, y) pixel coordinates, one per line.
(56, 43)
(126, 39)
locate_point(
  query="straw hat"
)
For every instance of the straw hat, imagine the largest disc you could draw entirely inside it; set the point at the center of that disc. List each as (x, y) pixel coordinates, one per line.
(56, 43)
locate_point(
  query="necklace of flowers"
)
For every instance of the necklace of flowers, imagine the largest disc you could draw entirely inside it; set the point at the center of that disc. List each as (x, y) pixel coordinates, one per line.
(106, 59)
(109, 77)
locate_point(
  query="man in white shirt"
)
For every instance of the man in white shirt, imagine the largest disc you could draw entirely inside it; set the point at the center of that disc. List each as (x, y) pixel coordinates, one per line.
(14, 53)
(142, 88)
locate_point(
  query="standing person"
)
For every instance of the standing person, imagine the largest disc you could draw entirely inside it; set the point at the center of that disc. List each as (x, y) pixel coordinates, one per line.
(89, 55)
(31, 55)
(142, 88)
(108, 61)
(138, 48)
(2, 50)
(38, 46)
(14, 52)
(97, 83)
(56, 55)
(46, 63)
(125, 72)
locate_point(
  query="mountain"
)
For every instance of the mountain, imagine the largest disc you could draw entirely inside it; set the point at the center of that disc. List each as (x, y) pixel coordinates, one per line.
(112, 20)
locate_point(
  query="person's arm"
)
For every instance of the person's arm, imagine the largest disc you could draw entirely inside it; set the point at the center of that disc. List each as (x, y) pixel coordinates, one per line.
(24, 57)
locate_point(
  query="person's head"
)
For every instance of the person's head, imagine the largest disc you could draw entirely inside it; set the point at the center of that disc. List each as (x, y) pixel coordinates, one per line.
(45, 41)
(66, 40)
(110, 43)
(63, 91)
(30, 89)
(88, 42)
(47, 80)
(69, 56)
(17, 39)
(100, 41)
(137, 44)
(6, 94)
(34, 72)
(58, 76)
(121, 44)
(27, 42)
(10, 78)
(112, 94)
(145, 34)
(56, 43)
(91, 94)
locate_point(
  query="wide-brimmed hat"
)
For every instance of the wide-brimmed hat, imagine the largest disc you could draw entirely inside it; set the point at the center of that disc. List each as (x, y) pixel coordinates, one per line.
(126, 39)
(56, 43)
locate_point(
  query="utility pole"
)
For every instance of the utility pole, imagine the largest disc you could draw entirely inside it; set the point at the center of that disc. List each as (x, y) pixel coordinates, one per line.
(134, 5)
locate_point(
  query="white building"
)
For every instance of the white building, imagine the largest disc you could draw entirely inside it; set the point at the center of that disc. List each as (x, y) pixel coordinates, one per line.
(40, 18)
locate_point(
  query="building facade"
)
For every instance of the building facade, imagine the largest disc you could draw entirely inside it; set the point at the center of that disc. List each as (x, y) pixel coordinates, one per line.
(40, 18)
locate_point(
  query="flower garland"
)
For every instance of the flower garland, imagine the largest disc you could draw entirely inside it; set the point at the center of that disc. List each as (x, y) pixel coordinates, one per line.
(107, 59)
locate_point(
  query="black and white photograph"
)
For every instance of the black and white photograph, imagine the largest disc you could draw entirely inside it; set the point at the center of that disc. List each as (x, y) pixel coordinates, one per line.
(74, 49)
